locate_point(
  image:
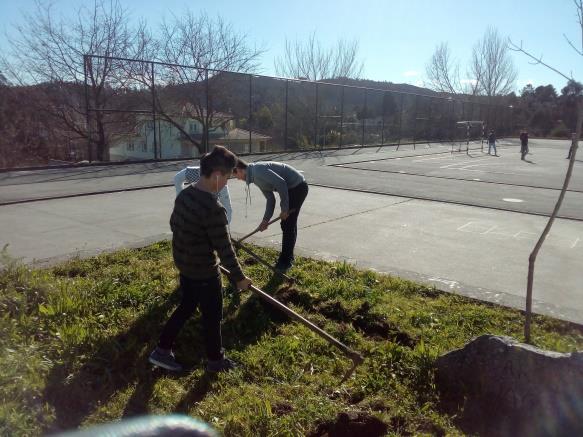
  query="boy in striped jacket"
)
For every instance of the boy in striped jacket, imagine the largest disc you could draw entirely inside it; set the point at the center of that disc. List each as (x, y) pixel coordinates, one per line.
(199, 233)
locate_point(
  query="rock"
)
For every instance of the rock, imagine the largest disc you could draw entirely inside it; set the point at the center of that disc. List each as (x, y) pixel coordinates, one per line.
(508, 388)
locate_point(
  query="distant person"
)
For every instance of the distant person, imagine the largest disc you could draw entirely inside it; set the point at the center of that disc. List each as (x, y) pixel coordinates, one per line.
(191, 175)
(573, 142)
(523, 144)
(492, 143)
(292, 188)
(199, 233)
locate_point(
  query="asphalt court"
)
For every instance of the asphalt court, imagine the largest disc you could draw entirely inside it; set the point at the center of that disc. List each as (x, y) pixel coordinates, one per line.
(543, 168)
(475, 178)
(454, 232)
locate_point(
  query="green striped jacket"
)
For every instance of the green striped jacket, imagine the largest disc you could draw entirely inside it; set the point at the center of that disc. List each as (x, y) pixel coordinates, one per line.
(200, 232)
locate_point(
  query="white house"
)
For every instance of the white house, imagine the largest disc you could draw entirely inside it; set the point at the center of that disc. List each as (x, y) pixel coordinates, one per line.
(172, 143)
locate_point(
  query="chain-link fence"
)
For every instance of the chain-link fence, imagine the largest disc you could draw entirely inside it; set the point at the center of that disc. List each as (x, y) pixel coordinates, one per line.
(134, 110)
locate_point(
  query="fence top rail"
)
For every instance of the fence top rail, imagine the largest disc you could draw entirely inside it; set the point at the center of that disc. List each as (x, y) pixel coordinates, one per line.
(194, 67)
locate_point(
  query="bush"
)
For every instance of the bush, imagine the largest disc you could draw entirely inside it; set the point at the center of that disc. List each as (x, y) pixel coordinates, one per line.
(560, 131)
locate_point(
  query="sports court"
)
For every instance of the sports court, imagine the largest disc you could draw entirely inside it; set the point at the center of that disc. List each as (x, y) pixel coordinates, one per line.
(464, 222)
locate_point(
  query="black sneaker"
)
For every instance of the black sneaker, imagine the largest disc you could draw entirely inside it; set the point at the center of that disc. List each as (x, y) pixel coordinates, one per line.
(166, 361)
(223, 365)
(282, 267)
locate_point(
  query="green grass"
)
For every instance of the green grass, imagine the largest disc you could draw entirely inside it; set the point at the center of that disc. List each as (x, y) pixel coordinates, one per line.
(74, 341)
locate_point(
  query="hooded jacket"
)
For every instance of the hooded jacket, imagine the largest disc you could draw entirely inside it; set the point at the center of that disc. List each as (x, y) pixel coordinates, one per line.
(272, 176)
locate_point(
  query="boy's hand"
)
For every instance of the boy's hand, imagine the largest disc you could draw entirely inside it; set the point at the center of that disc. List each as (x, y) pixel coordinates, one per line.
(284, 215)
(263, 225)
(243, 284)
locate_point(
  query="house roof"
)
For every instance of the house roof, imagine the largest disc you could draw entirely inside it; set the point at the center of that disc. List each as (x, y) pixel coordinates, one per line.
(243, 134)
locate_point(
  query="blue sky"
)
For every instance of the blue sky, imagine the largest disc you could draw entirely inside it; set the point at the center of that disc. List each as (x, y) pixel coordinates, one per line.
(396, 37)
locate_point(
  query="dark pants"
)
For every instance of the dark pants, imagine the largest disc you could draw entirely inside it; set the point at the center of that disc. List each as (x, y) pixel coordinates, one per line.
(207, 293)
(523, 150)
(289, 226)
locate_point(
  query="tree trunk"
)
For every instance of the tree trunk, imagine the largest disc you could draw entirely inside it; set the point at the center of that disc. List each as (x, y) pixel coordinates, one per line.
(534, 253)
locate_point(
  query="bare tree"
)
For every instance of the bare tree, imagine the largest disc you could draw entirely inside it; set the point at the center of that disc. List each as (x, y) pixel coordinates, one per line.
(491, 71)
(50, 51)
(442, 74)
(310, 60)
(197, 49)
(575, 92)
(492, 65)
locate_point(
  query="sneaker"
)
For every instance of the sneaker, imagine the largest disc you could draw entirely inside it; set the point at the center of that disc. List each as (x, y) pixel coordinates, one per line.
(166, 361)
(224, 365)
(282, 267)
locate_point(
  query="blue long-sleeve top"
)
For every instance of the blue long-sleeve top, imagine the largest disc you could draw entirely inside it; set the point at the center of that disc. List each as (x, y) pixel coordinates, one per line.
(272, 176)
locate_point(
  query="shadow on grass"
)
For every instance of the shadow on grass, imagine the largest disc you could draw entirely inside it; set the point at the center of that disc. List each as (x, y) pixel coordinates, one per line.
(116, 364)
(112, 366)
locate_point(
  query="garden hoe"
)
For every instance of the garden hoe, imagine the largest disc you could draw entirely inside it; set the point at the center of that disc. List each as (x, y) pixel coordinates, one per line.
(238, 243)
(353, 355)
(289, 279)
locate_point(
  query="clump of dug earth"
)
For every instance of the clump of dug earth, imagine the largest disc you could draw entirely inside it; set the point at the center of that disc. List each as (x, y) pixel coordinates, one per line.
(370, 324)
(352, 424)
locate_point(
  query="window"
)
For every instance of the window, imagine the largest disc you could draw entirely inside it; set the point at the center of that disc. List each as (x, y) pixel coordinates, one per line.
(193, 127)
(149, 125)
(130, 145)
(144, 147)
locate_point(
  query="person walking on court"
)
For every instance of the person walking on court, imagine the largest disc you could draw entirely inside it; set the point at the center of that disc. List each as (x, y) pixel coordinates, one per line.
(292, 188)
(199, 233)
(573, 141)
(492, 143)
(523, 144)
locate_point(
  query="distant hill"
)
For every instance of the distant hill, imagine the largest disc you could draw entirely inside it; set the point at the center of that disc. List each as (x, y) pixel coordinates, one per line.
(384, 85)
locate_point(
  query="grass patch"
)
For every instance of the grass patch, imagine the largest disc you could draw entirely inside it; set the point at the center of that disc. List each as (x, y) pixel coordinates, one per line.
(74, 341)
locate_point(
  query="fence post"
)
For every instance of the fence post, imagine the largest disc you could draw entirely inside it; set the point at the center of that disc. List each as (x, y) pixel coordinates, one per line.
(383, 120)
(156, 152)
(341, 116)
(206, 116)
(363, 117)
(400, 120)
(250, 123)
(285, 126)
(415, 123)
(87, 118)
(317, 116)
(451, 119)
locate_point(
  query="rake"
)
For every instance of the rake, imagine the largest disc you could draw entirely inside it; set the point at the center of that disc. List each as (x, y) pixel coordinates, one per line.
(356, 357)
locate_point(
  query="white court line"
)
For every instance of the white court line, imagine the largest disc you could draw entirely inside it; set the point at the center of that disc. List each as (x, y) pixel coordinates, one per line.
(465, 167)
(575, 243)
(492, 172)
(465, 162)
(489, 230)
(438, 157)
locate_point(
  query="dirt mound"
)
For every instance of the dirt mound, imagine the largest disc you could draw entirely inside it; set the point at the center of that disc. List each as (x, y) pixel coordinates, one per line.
(289, 294)
(334, 310)
(374, 325)
(250, 261)
(282, 408)
(370, 324)
(352, 424)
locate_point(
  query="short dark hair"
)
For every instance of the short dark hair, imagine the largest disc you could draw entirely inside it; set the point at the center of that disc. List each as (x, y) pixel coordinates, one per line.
(218, 159)
(241, 164)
